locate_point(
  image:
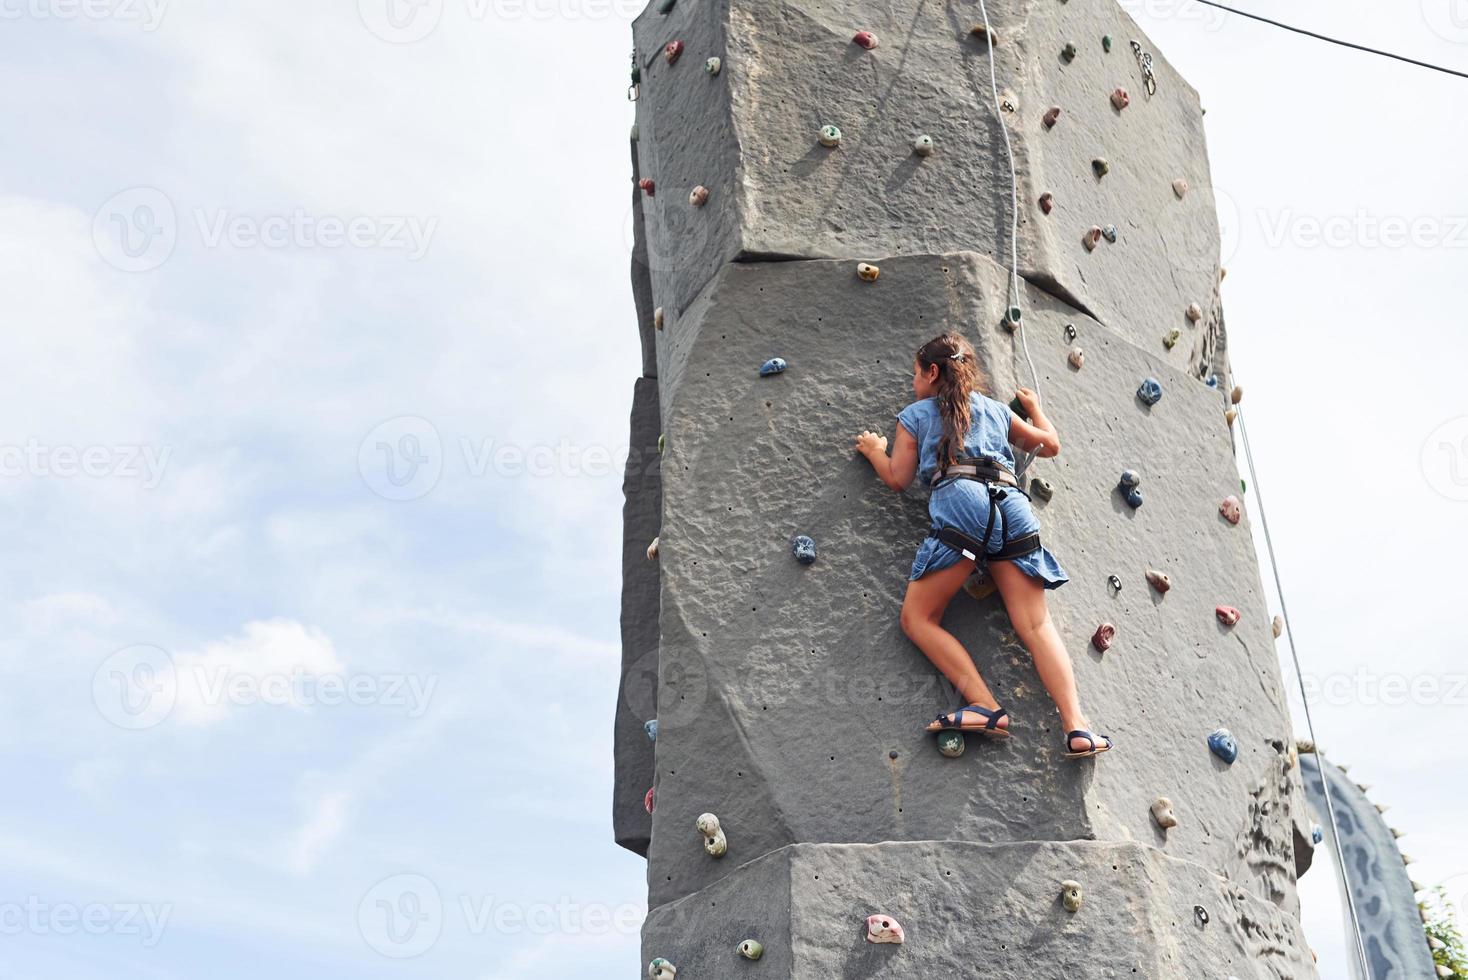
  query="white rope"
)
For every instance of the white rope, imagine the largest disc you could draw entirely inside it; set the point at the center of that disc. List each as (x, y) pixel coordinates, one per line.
(1304, 698)
(1014, 290)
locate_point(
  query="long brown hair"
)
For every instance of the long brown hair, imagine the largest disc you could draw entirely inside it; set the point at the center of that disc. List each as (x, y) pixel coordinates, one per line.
(959, 376)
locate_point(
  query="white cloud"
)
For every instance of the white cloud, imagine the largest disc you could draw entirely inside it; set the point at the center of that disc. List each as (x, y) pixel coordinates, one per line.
(324, 824)
(265, 664)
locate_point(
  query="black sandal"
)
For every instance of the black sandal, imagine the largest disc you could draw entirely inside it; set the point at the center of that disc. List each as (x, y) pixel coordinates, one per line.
(1094, 750)
(955, 722)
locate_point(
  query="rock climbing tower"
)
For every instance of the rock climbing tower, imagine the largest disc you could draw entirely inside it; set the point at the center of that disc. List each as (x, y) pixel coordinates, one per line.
(829, 184)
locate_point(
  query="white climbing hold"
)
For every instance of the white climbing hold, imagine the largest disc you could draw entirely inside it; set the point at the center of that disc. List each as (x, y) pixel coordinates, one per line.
(1397, 833)
(1180, 188)
(884, 929)
(714, 842)
(1077, 358)
(1162, 813)
(830, 136)
(1195, 312)
(1278, 626)
(657, 318)
(867, 272)
(923, 146)
(652, 549)
(699, 196)
(1071, 896)
(713, 66)
(661, 969)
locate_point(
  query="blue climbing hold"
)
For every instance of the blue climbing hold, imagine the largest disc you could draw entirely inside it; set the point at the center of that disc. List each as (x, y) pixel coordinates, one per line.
(1213, 381)
(1223, 745)
(1130, 479)
(775, 365)
(1109, 233)
(804, 549)
(1150, 392)
(652, 729)
(1317, 833)
(1134, 498)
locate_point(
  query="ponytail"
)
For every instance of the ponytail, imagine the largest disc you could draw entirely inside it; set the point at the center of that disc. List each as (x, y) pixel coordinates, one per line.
(959, 376)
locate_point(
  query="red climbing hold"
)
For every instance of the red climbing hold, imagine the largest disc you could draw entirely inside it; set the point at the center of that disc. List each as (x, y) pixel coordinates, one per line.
(1228, 615)
(648, 187)
(648, 799)
(1105, 633)
(1232, 509)
(1047, 202)
(1120, 100)
(866, 39)
(673, 51)
(1052, 116)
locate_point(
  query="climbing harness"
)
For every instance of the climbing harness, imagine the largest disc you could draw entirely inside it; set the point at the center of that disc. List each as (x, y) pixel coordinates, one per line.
(999, 481)
(1144, 60)
(1304, 696)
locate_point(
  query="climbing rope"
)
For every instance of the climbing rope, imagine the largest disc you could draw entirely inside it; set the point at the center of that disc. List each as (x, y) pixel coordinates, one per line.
(1026, 458)
(1304, 696)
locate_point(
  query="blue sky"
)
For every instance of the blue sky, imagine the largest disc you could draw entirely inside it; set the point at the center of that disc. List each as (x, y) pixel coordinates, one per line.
(321, 349)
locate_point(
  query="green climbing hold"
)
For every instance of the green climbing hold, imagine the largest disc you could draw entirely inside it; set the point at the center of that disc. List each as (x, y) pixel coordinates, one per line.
(636, 74)
(1018, 409)
(1171, 338)
(951, 744)
(666, 7)
(1106, 44)
(662, 443)
(830, 136)
(751, 949)
(1011, 319)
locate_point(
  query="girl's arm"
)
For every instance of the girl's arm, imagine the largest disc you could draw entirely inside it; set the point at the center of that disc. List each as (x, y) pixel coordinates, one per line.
(1038, 434)
(897, 470)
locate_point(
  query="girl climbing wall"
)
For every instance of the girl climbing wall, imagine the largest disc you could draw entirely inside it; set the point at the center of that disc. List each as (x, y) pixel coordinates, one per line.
(958, 441)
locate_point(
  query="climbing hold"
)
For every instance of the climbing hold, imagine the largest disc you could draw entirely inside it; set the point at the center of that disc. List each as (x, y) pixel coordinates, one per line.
(1070, 895)
(1134, 498)
(1150, 391)
(1018, 408)
(1201, 914)
(1232, 509)
(647, 801)
(981, 33)
(714, 841)
(1317, 834)
(1195, 312)
(923, 146)
(1130, 479)
(775, 365)
(951, 743)
(1222, 744)
(1012, 316)
(662, 443)
(1069, 52)
(884, 929)
(803, 548)
(1228, 615)
(1222, 273)
(1070, 331)
(1093, 238)
(1052, 116)
(1278, 626)
(866, 39)
(634, 132)
(1077, 358)
(1237, 395)
(1100, 167)
(1170, 339)
(830, 136)
(867, 272)
(1159, 581)
(1162, 813)
(1109, 233)
(1180, 188)
(1212, 381)
(673, 51)
(1120, 100)
(714, 65)
(648, 187)
(1047, 202)
(1114, 581)
(699, 196)
(651, 728)
(751, 949)
(661, 969)
(1363, 787)
(1396, 833)
(657, 318)
(666, 7)
(979, 585)
(1106, 43)
(1102, 638)
(1230, 415)
(1042, 489)
(652, 549)
(1006, 103)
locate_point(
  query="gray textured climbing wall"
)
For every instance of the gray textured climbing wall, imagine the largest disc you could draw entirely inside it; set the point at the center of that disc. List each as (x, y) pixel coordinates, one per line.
(1386, 903)
(788, 701)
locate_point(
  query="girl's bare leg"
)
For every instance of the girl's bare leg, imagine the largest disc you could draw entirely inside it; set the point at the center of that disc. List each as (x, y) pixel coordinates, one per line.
(922, 615)
(1024, 597)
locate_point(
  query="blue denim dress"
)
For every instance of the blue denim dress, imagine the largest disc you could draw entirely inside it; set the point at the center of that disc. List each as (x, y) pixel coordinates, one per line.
(964, 504)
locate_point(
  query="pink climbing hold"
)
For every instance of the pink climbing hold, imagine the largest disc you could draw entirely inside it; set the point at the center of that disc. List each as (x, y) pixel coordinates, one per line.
(1093, 238)
(1232, 509)
(884, 929)
(699, 196)
(673, 51)
(1159, 581)
(866, 39)
(648, 187)
(1228, 615)
(1120, 100)
(1103, 636)
(1052, 116)
(647, 800)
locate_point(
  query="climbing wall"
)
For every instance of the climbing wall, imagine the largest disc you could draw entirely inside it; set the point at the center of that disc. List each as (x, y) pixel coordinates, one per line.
(1392, 930)
(787, 701)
